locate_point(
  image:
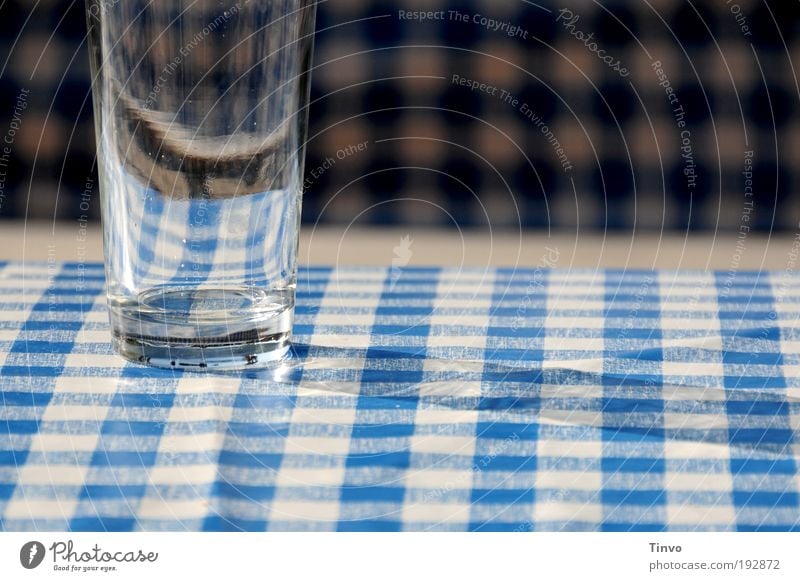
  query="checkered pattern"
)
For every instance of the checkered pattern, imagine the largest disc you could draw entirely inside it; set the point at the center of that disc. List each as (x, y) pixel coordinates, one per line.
(176, 241)
(421, 399)
(439, 153)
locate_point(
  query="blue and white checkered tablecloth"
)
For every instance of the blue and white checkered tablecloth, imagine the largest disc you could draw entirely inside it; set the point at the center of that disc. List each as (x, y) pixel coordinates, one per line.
(444, 399)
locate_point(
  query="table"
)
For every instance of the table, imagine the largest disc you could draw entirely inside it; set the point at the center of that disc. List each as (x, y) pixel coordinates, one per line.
(417, 399)
(355, 245)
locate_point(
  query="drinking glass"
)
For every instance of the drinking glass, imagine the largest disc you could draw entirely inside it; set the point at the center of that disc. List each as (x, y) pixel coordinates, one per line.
(200, 113)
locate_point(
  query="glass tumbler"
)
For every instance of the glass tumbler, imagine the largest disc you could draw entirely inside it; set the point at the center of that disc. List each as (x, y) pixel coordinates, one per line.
(201, 112)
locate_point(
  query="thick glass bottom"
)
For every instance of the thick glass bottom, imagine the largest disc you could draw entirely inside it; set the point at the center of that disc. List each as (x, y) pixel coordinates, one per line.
(204, 328)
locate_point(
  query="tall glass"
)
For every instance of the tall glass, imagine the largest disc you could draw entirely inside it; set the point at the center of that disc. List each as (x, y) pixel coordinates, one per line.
(200, 113)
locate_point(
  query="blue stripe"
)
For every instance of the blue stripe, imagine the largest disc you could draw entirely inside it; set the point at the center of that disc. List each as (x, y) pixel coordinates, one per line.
(754, 382)
(782, 437)
(228, 490)
(109, 524)
(73, 291)
(258, 401)
(388, 460)
(625, 433)
(631, 527)
(373, 494)
(514, 355)
(404, 376)
(365, 526)
(610, 332)
(126, 427)
(6, 492)
(388, 403)
(514, 331)
(255, 460)
(739, 315)
(31, 371)
(85, 266)
(46, 307)
(112, 491)
(626, 313)
(612, 497)
(766, 528)
(779, 435)
(217, 523)
(107, 458)
(758, 408)
(755, 466)
(14, 458)
(506, 431)
(644, 465)
(402, 330)
(766, 499)
(509, 403)
(379, 431)
(22, 398)
(33, 325)
(497, 527)
(732, 357)
(21, 426)
(145, 400)
(385, 310)
(252, 430)
(492, 463)
(502, 496)
(618, 405)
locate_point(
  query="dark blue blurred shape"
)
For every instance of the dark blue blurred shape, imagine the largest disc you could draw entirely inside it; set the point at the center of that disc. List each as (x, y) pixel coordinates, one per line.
(541, 78)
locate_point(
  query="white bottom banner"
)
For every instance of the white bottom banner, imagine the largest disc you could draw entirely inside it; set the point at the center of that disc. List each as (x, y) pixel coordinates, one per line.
(383, 556)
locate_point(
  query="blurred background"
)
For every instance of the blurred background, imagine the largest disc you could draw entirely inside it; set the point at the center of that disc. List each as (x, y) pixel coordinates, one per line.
(642, 114)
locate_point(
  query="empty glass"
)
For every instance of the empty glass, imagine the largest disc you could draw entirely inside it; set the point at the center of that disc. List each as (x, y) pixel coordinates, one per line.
(200, 112)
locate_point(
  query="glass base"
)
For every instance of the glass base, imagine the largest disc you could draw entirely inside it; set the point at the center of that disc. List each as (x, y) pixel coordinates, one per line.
(204, 328)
